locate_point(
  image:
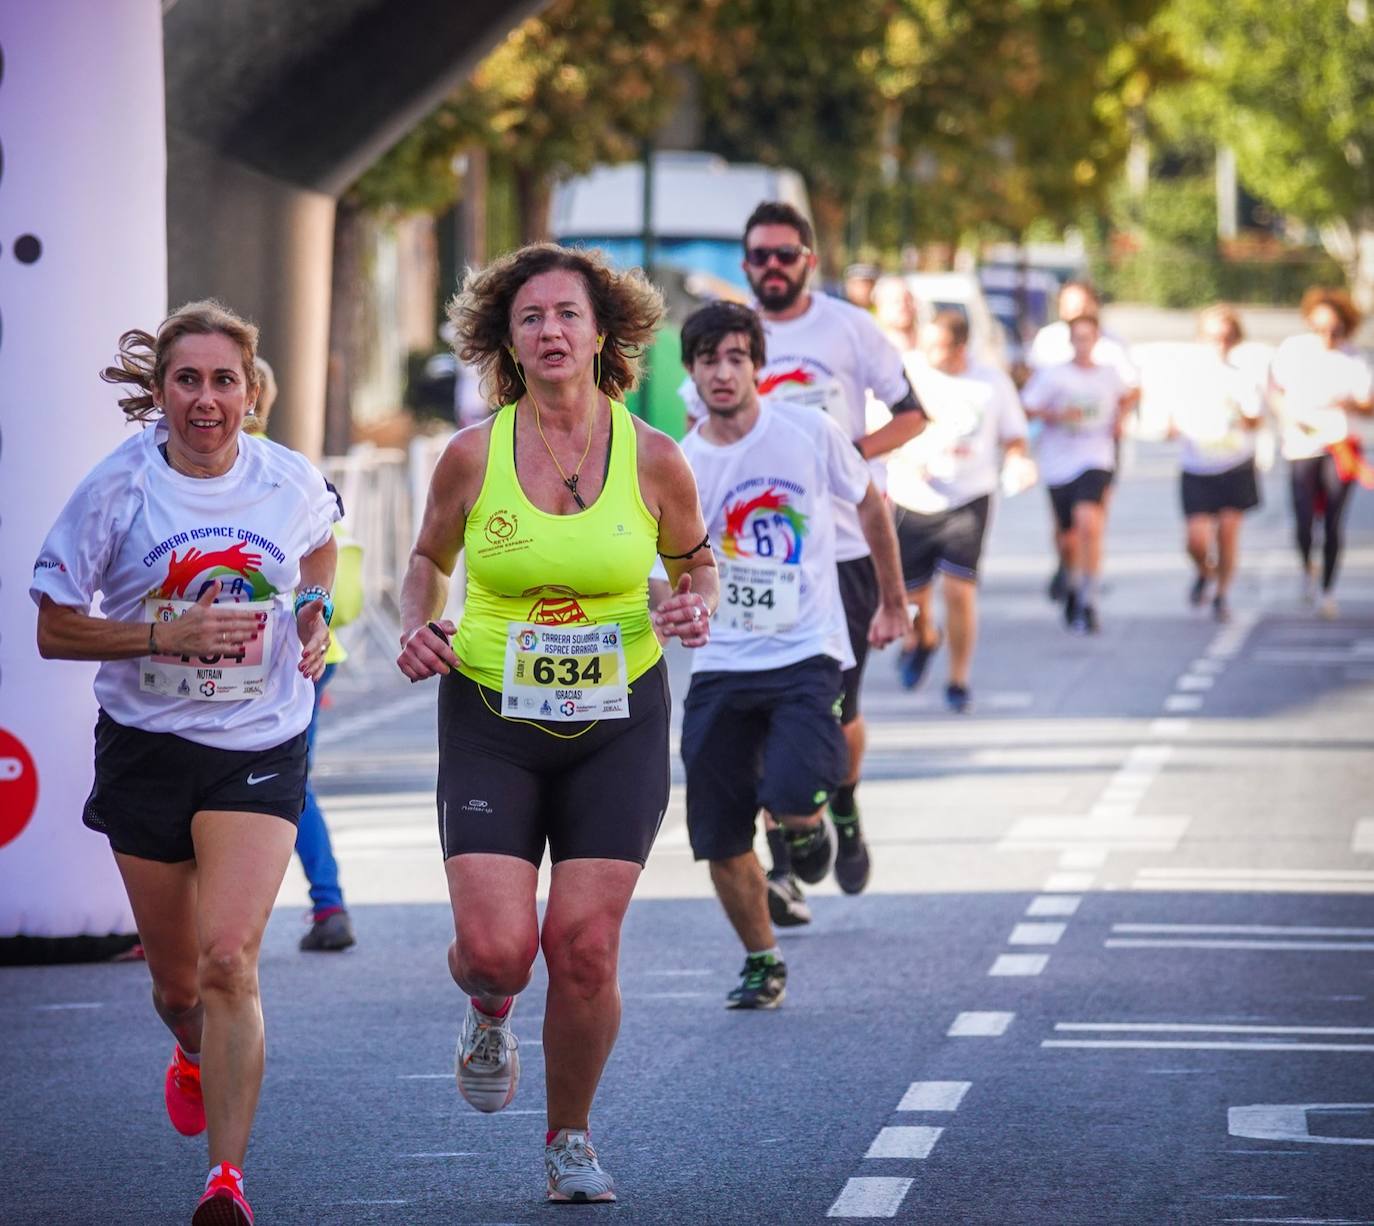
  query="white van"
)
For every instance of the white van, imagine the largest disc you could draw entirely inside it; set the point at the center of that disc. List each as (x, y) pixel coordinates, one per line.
(960, 291)
(700, 205)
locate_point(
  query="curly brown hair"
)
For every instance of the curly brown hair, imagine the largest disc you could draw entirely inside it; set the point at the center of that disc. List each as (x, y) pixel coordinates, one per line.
(626, 307)
(1339, 301)
(143, 358)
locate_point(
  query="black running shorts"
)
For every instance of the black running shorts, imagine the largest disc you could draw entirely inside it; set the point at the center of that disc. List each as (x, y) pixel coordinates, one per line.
(756, 740)
(1236, 489)
(950, 541)
(1089, 486)
(589, 791)
(149, 785)
(860, 596)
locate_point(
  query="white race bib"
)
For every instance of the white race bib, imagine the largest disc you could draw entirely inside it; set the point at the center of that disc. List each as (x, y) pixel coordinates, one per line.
(565, 673)
(212, 678)
(758, 597)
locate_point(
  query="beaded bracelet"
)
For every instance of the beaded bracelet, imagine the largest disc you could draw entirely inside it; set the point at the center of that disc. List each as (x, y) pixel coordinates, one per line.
(315, 592)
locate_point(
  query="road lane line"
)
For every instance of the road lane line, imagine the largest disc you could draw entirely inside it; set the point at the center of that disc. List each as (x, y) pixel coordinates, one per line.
(1083, 857)
(980, 1025)
(1183, 702)
(1256, 874)
(1067, 883)
(870, 1196)
(1022, 964)
(1206, 1045)
(1214, 1028)
(1254, 930)
(1054, 904)
(934, 1096)
(1362, 841)
(1200, 943)
(904, 1141)
(1036, 934)
(1195, 681)
(1170, 727)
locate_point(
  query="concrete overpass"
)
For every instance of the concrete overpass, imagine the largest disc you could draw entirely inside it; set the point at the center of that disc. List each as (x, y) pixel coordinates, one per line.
(273, 109)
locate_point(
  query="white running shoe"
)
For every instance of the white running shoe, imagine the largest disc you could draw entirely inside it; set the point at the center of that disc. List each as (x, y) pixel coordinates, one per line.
(487, 1061)
(575, 1176)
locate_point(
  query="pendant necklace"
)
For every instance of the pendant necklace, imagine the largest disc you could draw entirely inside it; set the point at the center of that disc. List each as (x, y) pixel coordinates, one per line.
(570, 482)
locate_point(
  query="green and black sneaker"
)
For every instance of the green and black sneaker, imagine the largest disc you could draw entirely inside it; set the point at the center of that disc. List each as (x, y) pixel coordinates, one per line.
(762, 983)
(852, 864)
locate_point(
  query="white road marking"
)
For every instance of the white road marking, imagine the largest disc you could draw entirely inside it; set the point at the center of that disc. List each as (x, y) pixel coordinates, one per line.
(1288, 1122)
(1206, 1045)
(1258, 874)
(1117, 832)
(870, 1196)
(1248, 885)
(1020, 964)
(980, 1025)
(1067, 883)
(1310, 657)
(1254, 930)
(76, 1004)
(1083, 857)
(1200, 943)
(1054, 904)
(1214, 1028)
(1036, 934)
(1362, 841)
(934, 1096)
(454, 1153)
(1115, 811)
(1195, 681)
(904, 1141)
(697, 972)
(1170, 727)
(1183, 702)
(1209, 666)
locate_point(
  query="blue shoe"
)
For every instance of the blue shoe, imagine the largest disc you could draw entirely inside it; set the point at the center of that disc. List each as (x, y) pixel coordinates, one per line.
(957, 698)
(911, 665)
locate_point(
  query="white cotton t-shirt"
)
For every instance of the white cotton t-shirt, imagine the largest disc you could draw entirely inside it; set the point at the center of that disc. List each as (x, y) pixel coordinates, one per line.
(141, 534)
(957, 457)
(1067, 450)
(829, 358)
(1052, 346)
(1216, 402)
(1312, 377)
(769, 501)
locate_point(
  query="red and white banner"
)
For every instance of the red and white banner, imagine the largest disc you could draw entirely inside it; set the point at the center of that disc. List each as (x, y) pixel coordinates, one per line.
(83, 257)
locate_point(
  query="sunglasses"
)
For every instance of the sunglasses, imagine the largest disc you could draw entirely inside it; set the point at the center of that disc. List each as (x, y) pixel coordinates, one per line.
(758, 257)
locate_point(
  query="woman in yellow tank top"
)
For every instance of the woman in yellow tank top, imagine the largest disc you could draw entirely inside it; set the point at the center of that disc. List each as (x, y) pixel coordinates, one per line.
(553, 703)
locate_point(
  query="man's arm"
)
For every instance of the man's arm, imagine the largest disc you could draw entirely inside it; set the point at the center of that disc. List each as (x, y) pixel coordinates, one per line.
(908, 420)
(890, 621)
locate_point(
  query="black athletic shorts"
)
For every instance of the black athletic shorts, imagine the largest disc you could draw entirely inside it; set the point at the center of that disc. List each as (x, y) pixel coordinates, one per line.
(149, 785)
(1089, 486)
(950, 541)
(590, 791)
(1236, 489)
(754, 740)
(859, 595)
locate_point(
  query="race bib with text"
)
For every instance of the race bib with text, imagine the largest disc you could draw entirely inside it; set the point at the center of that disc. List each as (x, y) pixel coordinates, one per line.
(758, 597)
(210, 678)
(565, 673)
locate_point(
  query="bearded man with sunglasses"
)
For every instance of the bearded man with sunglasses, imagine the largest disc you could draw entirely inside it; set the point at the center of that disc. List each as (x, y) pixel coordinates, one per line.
(828, 354)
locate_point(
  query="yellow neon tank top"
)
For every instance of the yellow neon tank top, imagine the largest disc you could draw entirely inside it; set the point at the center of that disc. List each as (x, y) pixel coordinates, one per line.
(527, 565)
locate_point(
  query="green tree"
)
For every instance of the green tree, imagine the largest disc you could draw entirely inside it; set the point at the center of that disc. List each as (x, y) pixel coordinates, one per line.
(1290, 87)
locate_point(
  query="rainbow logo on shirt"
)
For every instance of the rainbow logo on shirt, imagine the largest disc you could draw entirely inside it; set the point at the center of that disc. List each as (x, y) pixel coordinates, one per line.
(764, 526)
(237, 567)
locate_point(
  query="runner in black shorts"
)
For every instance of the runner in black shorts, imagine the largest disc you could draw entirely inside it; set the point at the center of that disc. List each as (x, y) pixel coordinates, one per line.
(760, 727)
(860, 598)
(205, 691)
(553, 710)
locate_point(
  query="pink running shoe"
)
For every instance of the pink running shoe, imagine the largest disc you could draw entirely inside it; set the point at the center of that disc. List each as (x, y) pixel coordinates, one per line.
(224, 1203)
(185, 1106)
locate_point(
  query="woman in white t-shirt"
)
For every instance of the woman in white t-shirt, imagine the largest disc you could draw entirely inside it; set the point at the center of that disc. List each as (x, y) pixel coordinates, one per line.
(1215, 422)
(195, 536)
(1081, 404)
(1319, 382)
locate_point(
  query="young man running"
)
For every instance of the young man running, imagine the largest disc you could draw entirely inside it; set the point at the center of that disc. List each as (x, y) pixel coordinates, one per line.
(942, 484)
(828, 355)
(759, 724)
(1081, 403)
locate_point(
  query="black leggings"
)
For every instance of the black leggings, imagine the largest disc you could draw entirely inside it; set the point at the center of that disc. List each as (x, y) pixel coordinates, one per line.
(1318, 489)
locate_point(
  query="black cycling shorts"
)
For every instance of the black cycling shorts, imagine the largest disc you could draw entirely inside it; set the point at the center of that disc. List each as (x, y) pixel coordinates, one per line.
(589, 791)
(1089, 486)
(950, 541)
(860, 596)
(149, 785)
(1235, 489)
(754, 740)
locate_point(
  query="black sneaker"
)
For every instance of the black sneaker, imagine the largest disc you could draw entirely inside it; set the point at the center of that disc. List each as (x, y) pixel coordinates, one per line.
(852, 863)
(1071, 609)
(813, 851)
(957, 698)
(1059, 586)
(786, 903)
(329, 933)
(762, 984)
(1086, 622)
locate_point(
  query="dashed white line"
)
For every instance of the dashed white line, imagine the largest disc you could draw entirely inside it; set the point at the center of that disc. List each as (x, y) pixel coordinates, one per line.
(77, 1004)
(1036, 934)
(871, 1196)
(1067, 883)
(1212, 1028)
(1054, 904)
(980, 1025)
(1083, 857)
(1195, 681)
(1205, 1045)
(1183, 702)
(1362, 841)
(1170, 727)
(934, 1096)
(904, 1141)
(1220, 943)
(1254, 930)
(1019, 964)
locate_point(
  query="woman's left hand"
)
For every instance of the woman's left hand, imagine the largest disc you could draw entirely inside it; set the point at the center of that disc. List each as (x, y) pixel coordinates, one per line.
(684, 615)
(314, 636)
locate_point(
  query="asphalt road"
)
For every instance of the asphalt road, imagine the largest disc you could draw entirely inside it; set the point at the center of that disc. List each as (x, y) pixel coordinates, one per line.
(1115, 965)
